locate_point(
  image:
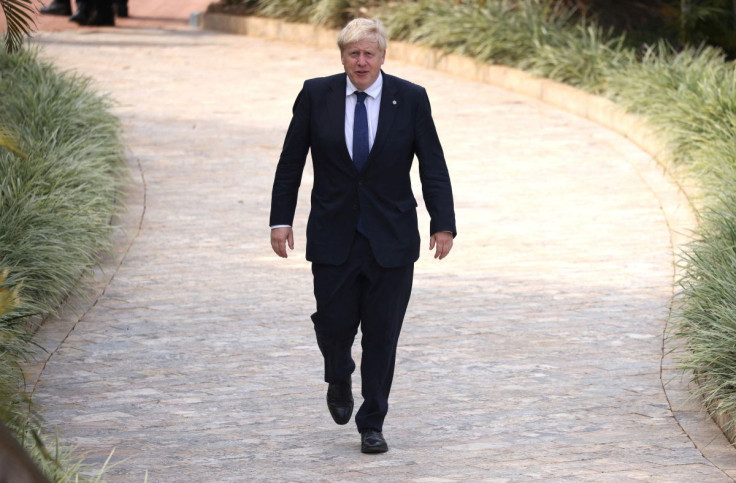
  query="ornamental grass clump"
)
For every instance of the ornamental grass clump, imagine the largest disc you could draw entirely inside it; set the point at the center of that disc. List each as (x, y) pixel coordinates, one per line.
(707, 322)
(584, 56)
(56, 202)
(504, 32)
(61, 170)
(690, 97)
(543, 37)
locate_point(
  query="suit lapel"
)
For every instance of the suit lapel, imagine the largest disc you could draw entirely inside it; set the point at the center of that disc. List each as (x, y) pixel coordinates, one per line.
(336, 112)
(386, 116)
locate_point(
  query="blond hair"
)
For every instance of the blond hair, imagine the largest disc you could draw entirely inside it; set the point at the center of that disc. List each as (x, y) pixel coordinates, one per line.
(361, 29)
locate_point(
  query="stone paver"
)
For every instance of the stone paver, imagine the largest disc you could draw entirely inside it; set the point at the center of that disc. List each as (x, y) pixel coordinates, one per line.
(533, 352)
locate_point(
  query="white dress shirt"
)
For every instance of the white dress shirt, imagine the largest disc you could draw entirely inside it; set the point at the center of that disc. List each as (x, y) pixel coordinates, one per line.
(372, 106)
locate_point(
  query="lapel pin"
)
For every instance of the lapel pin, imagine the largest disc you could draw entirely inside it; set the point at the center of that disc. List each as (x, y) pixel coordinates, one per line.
(394, 102)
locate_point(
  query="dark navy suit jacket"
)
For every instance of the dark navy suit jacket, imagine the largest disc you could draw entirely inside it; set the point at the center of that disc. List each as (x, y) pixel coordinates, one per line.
(382, 192)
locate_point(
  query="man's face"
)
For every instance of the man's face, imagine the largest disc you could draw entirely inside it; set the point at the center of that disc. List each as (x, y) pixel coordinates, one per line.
(362, 61)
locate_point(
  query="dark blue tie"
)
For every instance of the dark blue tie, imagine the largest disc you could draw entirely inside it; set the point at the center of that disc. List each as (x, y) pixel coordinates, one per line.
(360, 132)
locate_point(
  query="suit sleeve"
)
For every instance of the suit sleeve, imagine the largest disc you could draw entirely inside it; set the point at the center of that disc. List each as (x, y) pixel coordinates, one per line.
(433, 173)
(290, 167)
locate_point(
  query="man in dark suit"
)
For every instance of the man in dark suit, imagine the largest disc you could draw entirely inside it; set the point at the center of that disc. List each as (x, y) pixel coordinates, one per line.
(364, 128)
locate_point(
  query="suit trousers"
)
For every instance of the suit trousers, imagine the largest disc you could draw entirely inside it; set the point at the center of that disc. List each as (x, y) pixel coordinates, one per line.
(361, 293)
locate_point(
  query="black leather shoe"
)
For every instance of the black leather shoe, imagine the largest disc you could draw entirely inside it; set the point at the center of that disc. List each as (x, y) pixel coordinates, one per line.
(371, 441)
(57, 8)
(340, 401)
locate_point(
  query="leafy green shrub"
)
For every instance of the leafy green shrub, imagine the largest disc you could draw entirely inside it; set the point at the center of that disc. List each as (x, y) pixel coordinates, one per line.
(19, 22)
(690, 96)
(504, 32)
(583, 57)
(56, 204)
(707, 322)
(540, 36)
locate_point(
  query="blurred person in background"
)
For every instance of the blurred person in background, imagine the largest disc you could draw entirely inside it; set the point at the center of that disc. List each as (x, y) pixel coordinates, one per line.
(89, 12)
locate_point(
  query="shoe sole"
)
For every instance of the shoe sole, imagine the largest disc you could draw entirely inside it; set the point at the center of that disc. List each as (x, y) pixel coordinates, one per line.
(373, 450)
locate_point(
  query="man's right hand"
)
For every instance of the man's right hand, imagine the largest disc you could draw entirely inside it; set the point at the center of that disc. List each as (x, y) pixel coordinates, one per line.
(279, 238)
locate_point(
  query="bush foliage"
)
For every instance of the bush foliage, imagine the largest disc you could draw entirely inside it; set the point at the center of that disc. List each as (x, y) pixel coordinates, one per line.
(61, 163)
(56, 201)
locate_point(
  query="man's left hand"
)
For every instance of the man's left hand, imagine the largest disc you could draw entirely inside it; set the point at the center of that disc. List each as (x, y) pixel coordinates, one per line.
(443, 240)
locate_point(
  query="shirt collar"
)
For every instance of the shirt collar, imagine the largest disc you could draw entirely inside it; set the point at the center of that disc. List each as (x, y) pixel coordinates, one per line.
(372, 91)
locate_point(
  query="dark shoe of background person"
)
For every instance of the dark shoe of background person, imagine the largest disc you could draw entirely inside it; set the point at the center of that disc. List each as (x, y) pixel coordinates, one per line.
(121, 8)
(340, 401)
(101, 17)
(93, 14)
(371, 441)
(57, 8)
(80, 16)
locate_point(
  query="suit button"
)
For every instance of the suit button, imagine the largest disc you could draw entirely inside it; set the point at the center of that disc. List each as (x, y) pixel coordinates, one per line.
(355, 207)
(360, 182)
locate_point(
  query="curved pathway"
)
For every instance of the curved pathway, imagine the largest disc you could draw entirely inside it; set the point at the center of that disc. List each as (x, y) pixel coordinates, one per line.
(533, 352)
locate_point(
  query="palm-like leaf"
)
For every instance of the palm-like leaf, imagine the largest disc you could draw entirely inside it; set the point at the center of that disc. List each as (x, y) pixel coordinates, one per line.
(8, 141)
(8, 297)
(19, 17)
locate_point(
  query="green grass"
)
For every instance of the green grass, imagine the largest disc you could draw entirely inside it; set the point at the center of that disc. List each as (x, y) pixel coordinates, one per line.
(56, 203)
(691, 97)
(708, 308)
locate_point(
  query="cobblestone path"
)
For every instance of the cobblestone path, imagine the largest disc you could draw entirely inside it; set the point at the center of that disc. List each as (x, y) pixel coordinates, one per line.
(533, 352)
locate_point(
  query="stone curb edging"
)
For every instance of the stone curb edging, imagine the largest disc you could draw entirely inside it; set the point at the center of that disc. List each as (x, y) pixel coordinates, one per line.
(677, 207)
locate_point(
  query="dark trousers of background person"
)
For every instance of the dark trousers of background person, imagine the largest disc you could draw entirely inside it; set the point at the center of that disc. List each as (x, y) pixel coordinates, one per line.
(361, 293)
(94, 12)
